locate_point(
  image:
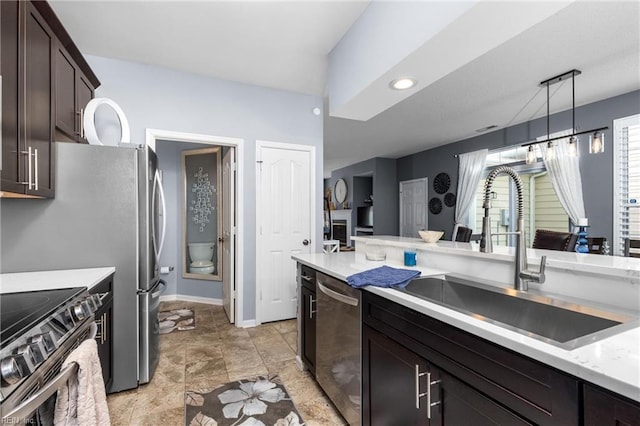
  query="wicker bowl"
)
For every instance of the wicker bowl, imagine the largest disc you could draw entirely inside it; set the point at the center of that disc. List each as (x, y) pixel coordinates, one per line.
(430, 236)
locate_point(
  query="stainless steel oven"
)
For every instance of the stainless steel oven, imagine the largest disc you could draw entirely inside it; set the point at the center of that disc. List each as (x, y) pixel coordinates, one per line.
(38, 330)
(338, 345)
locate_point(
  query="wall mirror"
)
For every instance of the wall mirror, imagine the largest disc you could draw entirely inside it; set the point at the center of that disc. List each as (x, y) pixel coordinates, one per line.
(201, 218)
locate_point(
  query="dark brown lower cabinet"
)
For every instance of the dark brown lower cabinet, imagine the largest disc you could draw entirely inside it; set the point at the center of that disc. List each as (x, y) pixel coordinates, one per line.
(421, 371)
(104, 321)
(602, 408)
(402, 388)
(308, 318)
(391, 381)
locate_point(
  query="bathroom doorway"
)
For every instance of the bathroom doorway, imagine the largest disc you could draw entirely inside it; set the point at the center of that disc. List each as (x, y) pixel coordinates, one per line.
(201, 213)
(218, 211)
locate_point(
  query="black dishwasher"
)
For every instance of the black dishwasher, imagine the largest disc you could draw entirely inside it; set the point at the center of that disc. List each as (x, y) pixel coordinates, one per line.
(338, 345)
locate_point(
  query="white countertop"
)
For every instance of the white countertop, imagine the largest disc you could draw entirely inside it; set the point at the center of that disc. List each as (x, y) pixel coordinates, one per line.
(613, 362)
(48, 280)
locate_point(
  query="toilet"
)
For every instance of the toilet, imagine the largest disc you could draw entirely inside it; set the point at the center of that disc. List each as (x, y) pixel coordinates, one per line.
(201, 255)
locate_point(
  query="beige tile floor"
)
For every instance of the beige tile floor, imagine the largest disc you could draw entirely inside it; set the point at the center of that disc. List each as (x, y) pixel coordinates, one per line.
(217, 352)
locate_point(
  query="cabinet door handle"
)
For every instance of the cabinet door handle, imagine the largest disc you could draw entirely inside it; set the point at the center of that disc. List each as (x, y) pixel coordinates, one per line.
(81, 123)
(429, 403)
(29, 168)
(418, 394)
(311, 310)
(35, 161)
(306, 278)
(99, 328)
(104, 328)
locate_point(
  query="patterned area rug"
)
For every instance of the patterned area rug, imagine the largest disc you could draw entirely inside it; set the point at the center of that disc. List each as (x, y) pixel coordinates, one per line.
(176, 320)
(259, 401)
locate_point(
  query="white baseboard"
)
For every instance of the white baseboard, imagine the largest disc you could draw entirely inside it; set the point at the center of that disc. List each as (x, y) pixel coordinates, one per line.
(187, 298)
(300, 364)
(247, 324)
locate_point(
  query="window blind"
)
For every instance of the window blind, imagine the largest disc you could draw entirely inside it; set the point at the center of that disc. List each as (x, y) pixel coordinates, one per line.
(627, 182)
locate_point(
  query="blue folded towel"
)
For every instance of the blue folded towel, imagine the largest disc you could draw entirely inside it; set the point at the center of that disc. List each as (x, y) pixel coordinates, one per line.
(383, 276)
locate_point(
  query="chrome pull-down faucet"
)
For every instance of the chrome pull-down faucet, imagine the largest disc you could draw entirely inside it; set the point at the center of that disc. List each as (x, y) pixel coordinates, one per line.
(522, 274)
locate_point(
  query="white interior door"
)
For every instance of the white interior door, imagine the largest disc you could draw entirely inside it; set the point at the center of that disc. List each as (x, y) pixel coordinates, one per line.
(413, 207)
(284, 185)
(228, 233)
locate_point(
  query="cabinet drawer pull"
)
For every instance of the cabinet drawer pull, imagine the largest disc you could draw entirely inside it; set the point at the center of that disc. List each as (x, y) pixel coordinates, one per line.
(418, 394)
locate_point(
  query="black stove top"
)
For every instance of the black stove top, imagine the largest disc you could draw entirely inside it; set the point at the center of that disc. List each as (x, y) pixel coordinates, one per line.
(19, 312)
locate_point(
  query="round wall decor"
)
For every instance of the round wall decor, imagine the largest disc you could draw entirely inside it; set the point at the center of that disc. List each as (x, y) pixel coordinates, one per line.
(89, 123)
(450, 199)
(340, 190)
(441, 183)
(435, 205)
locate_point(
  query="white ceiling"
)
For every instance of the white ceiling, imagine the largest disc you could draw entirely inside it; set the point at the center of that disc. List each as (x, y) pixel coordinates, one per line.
(278, 44)
(286, 45)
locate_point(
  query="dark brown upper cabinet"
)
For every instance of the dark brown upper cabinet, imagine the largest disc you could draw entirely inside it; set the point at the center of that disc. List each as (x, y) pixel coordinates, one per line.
(73, 91)
(33, 48)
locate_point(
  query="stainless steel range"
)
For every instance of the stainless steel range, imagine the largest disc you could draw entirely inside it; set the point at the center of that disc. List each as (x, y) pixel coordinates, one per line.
(38, 329)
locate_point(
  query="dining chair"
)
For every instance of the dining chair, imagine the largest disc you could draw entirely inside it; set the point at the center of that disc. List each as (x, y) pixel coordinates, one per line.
(554, 240)
(596, 244)
(463, 235)
(631, 247)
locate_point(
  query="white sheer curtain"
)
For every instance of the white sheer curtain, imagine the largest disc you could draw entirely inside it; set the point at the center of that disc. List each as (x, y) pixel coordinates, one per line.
(564, 171)
(470, 169)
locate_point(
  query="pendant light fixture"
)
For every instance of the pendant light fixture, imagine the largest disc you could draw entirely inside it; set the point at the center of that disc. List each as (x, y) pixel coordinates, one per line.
(551, 151)
(596, 136)
(573, 146)
(531, 156)
(596, 142)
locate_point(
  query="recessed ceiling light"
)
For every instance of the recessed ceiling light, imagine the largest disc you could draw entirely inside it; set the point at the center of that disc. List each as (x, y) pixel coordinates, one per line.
(403, 83)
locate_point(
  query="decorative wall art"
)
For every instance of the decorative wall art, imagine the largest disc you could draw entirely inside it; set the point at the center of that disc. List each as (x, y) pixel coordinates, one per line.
(450, 199)
(435, 205)
(201, 207)
(441, 183)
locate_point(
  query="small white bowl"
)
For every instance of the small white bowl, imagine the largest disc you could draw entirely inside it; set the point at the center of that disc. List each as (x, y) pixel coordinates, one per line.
(430, 236)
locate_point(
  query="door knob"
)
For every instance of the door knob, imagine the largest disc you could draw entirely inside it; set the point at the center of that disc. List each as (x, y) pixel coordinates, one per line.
(305, 242)
(221, 239)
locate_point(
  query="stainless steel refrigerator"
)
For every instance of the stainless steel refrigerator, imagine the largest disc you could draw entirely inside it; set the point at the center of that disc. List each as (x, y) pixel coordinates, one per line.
(108, 211)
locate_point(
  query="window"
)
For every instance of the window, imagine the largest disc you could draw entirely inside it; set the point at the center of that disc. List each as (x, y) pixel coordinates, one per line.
(626, 181)
(542, 209)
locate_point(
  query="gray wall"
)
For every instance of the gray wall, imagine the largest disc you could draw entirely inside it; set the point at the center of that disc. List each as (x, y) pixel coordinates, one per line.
(385, 188)
(170, 162)
(597, 170)
(159, 98)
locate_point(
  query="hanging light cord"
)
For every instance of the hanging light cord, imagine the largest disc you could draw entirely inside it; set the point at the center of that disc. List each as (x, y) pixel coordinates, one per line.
(531, 100)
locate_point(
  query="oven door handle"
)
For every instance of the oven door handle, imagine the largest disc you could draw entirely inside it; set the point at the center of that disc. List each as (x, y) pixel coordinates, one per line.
(337, 296)
(30, 405)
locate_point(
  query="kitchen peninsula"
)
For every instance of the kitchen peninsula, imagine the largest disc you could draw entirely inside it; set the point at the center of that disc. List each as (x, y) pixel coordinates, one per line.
(495, 370)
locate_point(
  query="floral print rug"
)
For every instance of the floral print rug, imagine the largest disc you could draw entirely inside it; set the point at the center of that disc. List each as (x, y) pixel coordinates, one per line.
(258, 401)
(176, 320)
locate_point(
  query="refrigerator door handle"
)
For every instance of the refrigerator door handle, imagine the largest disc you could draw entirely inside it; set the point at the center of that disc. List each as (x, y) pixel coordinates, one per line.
(157, 184)
(164, 213)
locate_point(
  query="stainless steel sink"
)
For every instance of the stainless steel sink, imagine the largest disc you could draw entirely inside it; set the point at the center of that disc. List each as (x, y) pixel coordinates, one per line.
(567, 325)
